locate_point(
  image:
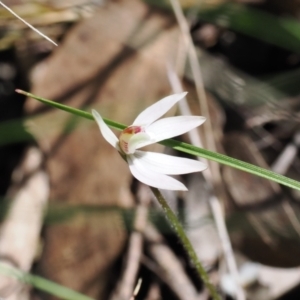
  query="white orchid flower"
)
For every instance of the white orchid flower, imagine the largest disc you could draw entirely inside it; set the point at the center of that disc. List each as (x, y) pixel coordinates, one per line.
(149, 167)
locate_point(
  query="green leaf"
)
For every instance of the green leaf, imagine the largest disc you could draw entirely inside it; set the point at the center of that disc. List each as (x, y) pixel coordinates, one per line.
(43, 284)
(13, 131)
(283, 32)
(232, 162)
(187, 148)
(280, 31)
(72, 110)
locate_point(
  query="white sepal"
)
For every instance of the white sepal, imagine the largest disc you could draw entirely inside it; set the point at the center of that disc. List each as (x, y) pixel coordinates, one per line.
(158, 109)
(107, 133)
(169, 127)
(167, 164)
(148, 177)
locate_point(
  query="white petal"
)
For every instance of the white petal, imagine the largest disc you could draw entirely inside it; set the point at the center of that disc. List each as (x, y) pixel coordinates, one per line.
(169, 127)
(167, 164)
(147, 176)
(106, 131)
(158, 109)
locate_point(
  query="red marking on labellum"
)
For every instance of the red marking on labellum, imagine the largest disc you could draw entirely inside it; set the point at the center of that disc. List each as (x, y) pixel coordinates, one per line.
(125, 136)
(125, 146)
(132, 130)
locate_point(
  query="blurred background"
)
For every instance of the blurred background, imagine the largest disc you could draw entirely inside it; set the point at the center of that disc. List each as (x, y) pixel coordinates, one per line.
(71, 211)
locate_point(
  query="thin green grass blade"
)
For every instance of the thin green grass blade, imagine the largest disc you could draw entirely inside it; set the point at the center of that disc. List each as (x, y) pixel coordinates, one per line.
(232, 162)
(72, 110)
(43, 284)
(280, 31)
(283, 32)
(187, 148)
(13, 131)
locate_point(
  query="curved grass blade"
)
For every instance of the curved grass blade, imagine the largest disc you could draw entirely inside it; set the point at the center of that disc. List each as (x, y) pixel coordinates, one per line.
(13, 131)
(283, 32)
(232, 162)
(43, 284)
(72, 110)
(187, 148)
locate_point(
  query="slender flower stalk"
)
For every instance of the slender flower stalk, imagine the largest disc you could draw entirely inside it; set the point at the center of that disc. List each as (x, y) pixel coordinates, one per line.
(185, 242)
(149, 167)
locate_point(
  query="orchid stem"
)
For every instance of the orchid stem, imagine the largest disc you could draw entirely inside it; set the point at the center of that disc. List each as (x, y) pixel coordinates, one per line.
(185, 242)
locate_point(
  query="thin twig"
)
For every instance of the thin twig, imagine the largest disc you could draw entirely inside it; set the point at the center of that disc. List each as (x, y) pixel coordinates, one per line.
(137, 289)
(169, 269)
(29, 25)
(21, 228)
(185, 242)
(135, 248)
(196, 71)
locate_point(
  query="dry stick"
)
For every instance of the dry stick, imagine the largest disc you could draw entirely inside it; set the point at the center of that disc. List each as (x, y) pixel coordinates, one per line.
(287, 156)
(127, 283)
(22, 225)
(170, 269)
(153, 292)
(185, 242)
(137, 289)
(195, 67)
(29, 25)
(214, 202)
(281, 166)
